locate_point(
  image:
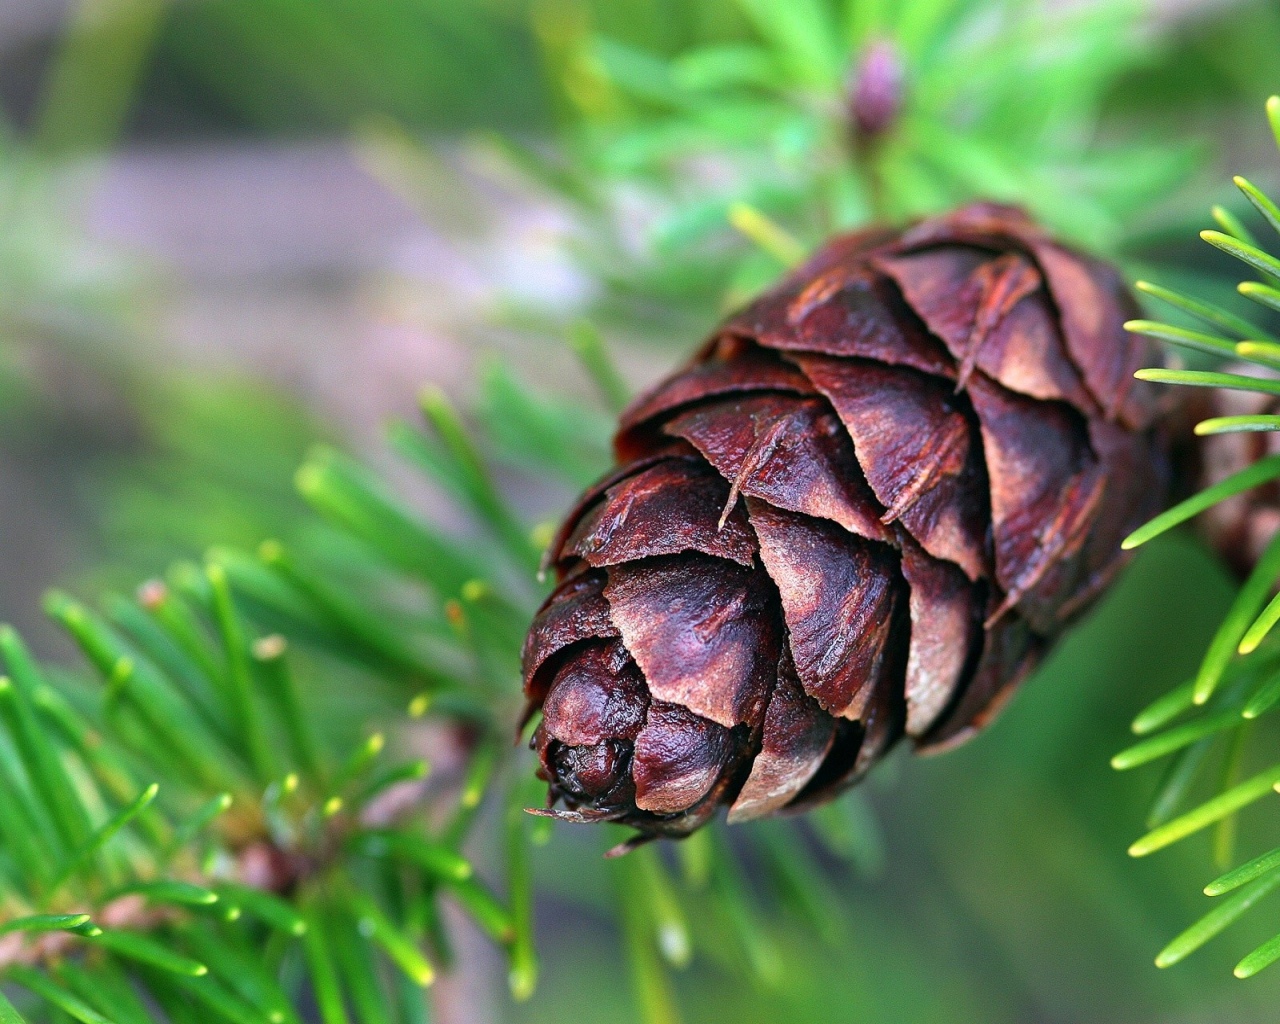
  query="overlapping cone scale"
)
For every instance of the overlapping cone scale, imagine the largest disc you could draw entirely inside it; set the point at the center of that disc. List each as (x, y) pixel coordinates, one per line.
(861, 512)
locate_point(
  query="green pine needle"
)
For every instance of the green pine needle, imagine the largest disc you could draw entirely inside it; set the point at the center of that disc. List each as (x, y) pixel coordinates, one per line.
(322, 962)
(1255, 868)
(589, 346)
(174, 893)
(485, 908)
(147, 951)
(1264, 352)
(1261, 627)
(1261, 261)
(1264, 956)
(1174, 739)
(1260, 293)
(1235, 627)
(105, 834)
(375, 925)
(437, 860)
(1210, 379)
(1236, 424)
(670, 927)
(1215, 921)
(69, 1004)
(1181, 336)
(264, 905)
(1253, 476)
(522, 977)
(770, 236)
(44, 923)
(650, 980)
(1260, 202)
(1232, 225)
(1204, 311)
(1264, 698)
(1164, 709)
(1207, 813)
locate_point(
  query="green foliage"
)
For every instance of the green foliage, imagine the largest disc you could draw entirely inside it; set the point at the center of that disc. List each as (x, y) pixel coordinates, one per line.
(666, 157)
(1238, 682)
(275, 856)
(204, 818)
(266, 846)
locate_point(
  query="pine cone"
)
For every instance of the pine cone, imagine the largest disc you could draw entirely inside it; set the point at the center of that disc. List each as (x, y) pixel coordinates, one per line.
(1240, 527)
(860, 512)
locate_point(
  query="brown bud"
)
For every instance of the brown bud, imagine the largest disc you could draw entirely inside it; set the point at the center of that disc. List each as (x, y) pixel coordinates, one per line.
(875, 91)
(861, 512)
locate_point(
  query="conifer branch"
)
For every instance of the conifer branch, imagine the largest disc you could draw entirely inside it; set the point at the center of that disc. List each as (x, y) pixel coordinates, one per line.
(1239, 678)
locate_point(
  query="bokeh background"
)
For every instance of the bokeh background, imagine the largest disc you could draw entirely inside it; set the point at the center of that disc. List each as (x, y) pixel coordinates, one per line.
(230, 229)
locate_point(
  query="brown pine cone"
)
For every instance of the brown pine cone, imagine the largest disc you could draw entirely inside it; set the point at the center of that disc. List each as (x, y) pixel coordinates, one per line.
(860, 512)
(1239, 528)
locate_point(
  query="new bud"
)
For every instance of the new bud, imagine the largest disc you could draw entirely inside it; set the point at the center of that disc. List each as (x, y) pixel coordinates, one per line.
(876, 91)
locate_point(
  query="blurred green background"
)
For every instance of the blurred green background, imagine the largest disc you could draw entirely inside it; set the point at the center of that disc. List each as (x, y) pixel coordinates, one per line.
(232, 228)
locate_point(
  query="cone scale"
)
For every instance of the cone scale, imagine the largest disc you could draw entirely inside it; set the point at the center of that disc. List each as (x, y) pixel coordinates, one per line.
(860, 514)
